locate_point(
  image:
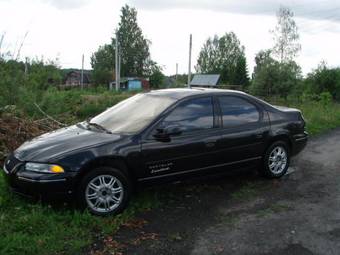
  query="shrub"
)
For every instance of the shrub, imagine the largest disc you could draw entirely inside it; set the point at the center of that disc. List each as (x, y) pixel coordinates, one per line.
(325, 98)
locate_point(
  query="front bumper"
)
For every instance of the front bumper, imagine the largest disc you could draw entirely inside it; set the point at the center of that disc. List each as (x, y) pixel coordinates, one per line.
(39, 184)
(299, 143)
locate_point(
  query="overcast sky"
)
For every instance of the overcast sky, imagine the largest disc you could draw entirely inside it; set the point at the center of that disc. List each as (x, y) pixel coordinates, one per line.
(65, 29)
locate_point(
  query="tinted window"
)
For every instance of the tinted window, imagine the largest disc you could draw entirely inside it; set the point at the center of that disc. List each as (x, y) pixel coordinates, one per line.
(237, 111)
(194, 114)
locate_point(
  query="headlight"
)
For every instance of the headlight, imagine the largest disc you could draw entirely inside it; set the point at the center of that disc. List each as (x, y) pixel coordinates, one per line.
(44, 168)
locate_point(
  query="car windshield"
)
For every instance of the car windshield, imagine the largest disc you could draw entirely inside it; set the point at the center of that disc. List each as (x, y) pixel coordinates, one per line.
(133, 114)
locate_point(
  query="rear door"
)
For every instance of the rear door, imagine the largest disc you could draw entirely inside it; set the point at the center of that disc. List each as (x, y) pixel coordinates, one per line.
(245, 127)
(192, 150)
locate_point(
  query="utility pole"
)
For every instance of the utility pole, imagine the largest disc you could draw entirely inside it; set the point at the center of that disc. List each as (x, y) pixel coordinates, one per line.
(82, 73)
(117, 60)
(189, 69)
(176, 72)
(1, 41)
(26, 66)
(119, 65)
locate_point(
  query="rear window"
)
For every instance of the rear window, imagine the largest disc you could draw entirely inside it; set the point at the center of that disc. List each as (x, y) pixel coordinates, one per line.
(237, 111)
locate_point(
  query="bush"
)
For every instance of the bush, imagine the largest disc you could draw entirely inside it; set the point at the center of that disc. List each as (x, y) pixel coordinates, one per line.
(325, 98)
(307, 96)
(324, 79)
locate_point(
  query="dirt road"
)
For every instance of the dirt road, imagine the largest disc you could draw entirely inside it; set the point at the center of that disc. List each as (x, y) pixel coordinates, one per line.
(246, 214)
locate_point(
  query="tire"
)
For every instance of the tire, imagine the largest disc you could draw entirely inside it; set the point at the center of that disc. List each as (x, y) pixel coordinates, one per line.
(276, 160)
(104, 191)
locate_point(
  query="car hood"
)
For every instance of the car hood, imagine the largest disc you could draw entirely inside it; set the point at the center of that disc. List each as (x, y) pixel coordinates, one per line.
(55, 144)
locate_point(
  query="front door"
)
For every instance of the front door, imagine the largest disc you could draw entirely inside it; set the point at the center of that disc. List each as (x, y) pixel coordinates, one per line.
(192, 149)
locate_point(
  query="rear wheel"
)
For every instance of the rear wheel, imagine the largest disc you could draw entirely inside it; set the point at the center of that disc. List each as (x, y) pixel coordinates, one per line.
(104, 191)
(276, 160)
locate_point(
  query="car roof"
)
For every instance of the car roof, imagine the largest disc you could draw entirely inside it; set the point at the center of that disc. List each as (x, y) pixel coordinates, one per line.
(179, 93)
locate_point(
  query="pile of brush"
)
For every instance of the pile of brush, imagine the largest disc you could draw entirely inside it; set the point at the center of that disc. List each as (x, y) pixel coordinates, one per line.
(15, 129)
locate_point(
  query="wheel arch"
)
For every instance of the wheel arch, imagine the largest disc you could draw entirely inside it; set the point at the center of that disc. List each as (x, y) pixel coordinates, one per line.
(109, 161)
(282, 136)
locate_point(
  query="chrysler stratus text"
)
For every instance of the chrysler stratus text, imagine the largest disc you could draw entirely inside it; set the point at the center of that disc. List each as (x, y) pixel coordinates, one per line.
(155, 136)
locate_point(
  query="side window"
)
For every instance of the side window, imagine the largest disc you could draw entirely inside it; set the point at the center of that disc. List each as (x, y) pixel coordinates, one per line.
(194, 114)
(237, 111)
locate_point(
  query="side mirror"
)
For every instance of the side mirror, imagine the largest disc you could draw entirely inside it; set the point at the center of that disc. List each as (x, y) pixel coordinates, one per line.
(173, 130)
(165, 133)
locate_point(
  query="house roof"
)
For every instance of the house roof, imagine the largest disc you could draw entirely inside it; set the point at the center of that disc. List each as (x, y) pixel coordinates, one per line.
(205, 80)
(77, 73)
(86, 72)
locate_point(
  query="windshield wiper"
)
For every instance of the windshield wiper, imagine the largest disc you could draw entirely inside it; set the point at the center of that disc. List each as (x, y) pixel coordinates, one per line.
(99, 127)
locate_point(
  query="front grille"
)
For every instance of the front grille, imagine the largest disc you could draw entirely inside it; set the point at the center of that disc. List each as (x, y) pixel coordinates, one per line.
(11, 163)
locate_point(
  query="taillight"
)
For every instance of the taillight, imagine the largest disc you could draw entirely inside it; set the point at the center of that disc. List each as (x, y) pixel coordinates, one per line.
(302, 119)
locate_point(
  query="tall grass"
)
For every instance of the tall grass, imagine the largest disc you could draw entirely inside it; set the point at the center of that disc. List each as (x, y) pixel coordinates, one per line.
(70, 105)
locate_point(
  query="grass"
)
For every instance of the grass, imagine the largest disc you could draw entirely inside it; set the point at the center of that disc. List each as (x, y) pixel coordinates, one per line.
(32, 228)
(230, 220)
(69, 106)
(246, 192)
(319, 117)
(273, 209)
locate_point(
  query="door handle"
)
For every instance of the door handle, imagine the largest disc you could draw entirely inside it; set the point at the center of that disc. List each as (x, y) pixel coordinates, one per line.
(260, 135)
(210, 143)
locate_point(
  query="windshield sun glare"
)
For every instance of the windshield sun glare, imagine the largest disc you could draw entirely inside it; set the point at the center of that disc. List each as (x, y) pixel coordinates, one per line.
(133, 114)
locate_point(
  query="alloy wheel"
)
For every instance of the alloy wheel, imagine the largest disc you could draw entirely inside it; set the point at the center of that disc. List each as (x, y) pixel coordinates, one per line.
(104, 193)
(278, 159)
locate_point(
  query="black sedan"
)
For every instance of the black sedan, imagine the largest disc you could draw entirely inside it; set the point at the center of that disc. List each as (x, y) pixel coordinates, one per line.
(160, 135)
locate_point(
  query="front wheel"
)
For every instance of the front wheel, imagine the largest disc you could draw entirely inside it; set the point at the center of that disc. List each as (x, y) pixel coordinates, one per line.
(276, 160)
(104, 191)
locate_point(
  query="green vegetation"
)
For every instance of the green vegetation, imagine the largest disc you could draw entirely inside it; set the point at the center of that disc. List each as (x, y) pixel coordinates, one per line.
(247, 191)
(33, 228)
(273, 209)
(75, 104)
(230, 219)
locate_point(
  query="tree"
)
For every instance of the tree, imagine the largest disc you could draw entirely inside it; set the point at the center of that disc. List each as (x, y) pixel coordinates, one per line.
(134, 47)
(265, 74)
(225, 56)
(261, 59)
(102, 62)
(271, 77)
(276, 72)
(323, 79)
(156, 77)
(134, 50)
(286, 36)
(241, 72)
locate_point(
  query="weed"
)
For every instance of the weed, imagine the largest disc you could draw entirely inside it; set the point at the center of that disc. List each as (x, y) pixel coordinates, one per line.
(247, 191)
(273, 209)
